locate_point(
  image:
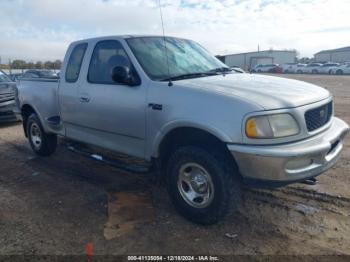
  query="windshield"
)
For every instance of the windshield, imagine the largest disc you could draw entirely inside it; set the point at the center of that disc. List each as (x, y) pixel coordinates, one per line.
(185, 57)
(4, 78)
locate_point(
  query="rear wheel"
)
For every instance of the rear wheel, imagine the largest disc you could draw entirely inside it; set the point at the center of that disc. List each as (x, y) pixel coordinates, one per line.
(201, 184)
(41, 143)
(339, 72)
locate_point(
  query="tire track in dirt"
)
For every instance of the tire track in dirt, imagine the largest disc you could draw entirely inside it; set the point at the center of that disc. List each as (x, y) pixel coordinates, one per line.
(316, 219)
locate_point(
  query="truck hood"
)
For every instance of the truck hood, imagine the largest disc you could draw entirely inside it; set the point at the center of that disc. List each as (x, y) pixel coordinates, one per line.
(267, 91)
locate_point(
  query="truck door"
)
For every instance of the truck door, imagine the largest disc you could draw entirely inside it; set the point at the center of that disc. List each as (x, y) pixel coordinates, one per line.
(69, 83)
(110, 115)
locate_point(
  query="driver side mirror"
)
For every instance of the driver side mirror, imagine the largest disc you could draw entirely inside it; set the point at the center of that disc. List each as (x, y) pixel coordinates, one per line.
(123, 75)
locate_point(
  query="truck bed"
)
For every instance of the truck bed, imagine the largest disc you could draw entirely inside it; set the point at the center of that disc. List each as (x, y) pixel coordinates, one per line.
(44, 93)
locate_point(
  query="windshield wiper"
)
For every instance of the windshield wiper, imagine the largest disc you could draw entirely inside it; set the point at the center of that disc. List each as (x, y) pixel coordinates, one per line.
(221, 70)
(189, 75)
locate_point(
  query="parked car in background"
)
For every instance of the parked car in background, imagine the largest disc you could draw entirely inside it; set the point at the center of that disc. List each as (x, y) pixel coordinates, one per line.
(293, 68)
(203, 127)
(311, 68)
(327, 68)
(299, 68)
(36, 73)
(288, 67)
(343, 69)
(7, 99)
(268, 68)
(15, 77)
(278, 70)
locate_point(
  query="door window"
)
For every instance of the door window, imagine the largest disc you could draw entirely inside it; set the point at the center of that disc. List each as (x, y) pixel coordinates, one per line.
(106, 56)
(74, 63)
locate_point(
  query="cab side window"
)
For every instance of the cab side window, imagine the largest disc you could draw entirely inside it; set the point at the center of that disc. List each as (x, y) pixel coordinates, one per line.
(107, 55)
(74, 63)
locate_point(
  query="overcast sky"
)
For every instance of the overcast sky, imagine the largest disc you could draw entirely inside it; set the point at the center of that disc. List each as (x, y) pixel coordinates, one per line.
(42, 29)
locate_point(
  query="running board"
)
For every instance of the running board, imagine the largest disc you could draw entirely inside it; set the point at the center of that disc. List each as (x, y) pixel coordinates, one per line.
(134, 168)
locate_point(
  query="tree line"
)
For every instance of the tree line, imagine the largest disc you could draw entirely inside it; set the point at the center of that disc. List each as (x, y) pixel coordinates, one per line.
(21, 64)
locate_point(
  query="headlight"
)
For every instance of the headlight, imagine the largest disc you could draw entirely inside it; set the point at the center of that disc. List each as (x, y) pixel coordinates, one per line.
(271, 126)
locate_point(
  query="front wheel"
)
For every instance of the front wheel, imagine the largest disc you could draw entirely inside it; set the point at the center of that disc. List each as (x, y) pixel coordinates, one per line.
(201, 184)
(42, 144)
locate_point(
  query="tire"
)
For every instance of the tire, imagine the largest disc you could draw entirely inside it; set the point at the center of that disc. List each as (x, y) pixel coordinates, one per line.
(42, 144)
(330, 72)
(339, 72)
(222, 183)
(299, 72)
(314, 71)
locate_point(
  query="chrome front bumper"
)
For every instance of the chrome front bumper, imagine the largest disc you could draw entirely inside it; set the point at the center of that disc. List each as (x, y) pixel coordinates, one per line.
(293, 161)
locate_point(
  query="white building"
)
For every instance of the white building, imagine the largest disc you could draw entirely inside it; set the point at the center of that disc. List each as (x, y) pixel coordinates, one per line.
(334, 55)
(249, 60)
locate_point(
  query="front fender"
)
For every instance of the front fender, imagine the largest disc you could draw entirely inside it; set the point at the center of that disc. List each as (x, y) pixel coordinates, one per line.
(183, 123)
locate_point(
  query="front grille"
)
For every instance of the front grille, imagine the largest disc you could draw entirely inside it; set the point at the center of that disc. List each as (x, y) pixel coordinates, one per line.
(7, 97)
(318, 117)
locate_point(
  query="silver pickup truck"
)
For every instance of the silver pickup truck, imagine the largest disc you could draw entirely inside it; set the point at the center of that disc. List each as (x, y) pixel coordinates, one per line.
(170, 103)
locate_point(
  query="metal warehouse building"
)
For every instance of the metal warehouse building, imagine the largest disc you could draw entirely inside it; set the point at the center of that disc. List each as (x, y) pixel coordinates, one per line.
(248, 60)
(334, 55)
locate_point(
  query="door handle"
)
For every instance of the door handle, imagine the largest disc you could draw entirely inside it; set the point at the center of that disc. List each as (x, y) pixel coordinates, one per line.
(84, 99)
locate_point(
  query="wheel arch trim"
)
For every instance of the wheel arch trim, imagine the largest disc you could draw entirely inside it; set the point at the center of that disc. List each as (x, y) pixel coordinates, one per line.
(36, 112)
(177, 124)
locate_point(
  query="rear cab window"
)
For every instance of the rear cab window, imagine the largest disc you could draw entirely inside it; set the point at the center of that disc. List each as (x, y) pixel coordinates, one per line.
(74, 63)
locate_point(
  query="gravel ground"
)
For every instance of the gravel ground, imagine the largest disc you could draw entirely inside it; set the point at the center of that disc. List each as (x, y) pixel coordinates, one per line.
(69, 205)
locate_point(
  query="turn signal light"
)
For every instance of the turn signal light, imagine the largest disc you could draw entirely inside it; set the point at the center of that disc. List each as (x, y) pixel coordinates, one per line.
(251, 128)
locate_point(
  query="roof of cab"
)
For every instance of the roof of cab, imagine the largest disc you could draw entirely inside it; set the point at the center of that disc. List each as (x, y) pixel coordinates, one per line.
(93, 39)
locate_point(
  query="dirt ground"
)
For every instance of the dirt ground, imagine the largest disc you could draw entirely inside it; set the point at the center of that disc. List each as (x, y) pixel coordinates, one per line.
(68, 204)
